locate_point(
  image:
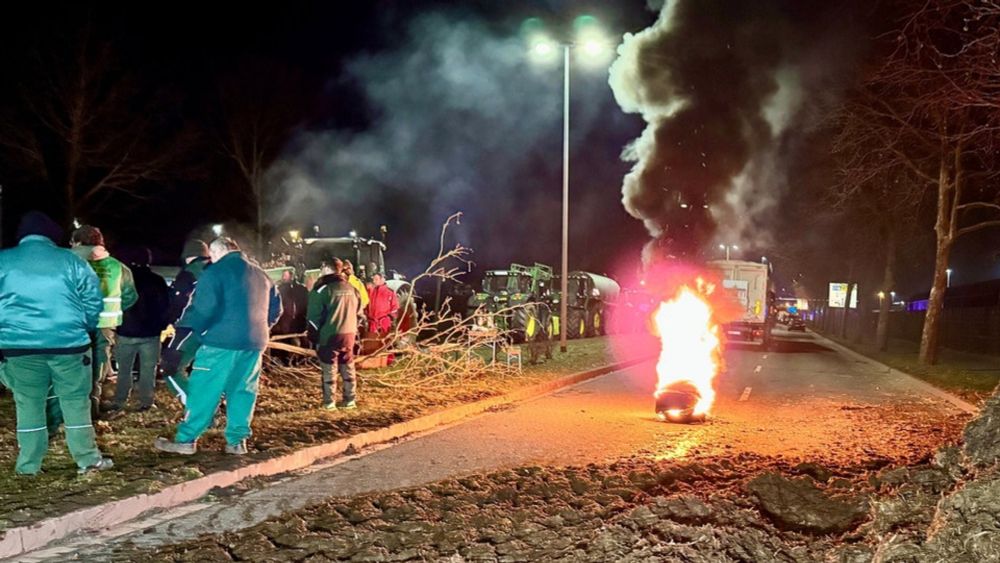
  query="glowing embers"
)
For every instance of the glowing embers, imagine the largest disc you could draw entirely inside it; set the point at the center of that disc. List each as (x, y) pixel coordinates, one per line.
(690, 355)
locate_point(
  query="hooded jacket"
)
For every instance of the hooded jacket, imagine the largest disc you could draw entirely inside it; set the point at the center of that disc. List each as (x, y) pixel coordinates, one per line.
(49, 299)
(117, 285)
(235, 305)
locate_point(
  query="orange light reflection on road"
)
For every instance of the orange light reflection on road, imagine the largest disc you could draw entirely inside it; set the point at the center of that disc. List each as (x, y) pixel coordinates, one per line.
(690, 347)
(679, 450)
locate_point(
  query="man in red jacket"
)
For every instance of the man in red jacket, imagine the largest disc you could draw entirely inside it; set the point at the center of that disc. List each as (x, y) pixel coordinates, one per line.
(383, 306)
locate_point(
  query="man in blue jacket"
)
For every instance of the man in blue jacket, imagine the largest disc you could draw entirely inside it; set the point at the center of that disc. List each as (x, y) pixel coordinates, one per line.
(50, 300)
(233, 310)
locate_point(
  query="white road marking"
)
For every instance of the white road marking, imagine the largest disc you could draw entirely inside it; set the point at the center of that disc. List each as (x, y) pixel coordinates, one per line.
(764, 357)
(757, 369)
(746, 394)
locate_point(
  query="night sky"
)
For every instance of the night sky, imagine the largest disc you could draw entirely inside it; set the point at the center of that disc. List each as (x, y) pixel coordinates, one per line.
(401, 113)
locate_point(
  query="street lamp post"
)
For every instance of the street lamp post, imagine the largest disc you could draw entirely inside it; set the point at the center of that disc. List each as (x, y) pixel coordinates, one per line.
(948, 272)
(544, 47)
(564, 280)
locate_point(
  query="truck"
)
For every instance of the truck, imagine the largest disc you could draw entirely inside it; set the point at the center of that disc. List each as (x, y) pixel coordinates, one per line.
(591, 296)
(747, 286)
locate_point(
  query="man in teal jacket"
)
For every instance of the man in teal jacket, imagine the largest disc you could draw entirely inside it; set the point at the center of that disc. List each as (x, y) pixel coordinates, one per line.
(49, 301)
(233, 310)
(118, 290)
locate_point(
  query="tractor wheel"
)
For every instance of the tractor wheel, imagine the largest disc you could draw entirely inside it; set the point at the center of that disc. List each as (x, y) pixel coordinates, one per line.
(595, 323)
(576, 324)
(525, 324)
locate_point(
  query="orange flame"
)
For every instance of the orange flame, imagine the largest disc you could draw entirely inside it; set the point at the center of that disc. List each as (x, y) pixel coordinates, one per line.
(690, 346)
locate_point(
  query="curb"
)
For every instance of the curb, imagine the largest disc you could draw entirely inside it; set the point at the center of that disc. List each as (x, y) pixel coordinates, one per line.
(23, 539)
(954, 400)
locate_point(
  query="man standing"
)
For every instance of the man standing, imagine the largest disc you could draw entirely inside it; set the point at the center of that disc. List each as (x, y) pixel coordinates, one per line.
(294, 302)
(119, 294)
(139, 334)
(50, 301)
(383, 306)
(334, 308)
(233, 310)
(179, 353)
(356, 283)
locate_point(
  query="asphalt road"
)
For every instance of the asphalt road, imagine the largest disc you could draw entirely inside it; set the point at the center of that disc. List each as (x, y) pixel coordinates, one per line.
(801, 401)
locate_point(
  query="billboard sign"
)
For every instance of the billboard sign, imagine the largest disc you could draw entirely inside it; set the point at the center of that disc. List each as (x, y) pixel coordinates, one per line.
(838, 296)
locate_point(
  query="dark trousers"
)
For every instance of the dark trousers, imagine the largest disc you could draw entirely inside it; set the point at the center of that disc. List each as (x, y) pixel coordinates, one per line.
(148, 352)
(339, 354)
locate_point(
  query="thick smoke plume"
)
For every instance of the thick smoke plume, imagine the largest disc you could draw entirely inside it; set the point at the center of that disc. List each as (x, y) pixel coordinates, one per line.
(726, 88)
(461, 120)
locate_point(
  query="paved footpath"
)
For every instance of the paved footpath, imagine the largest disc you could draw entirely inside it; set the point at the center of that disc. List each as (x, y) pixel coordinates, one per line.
(802, 400)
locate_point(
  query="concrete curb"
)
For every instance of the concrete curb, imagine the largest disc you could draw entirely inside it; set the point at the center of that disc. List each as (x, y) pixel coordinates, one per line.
(20, 540)
(955, 401)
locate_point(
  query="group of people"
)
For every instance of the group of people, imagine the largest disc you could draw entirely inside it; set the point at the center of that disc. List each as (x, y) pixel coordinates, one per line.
(65, 313)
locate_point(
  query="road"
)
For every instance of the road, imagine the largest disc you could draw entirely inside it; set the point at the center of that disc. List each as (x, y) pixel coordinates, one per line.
(801, 401)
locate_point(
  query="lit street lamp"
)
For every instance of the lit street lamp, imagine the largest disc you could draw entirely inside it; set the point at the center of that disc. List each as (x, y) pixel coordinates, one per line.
(217, 229)
(727, 248)
(948, 271)
(590, 40)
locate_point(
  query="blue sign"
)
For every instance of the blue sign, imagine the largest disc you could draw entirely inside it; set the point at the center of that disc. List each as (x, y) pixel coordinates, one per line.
(793, 310)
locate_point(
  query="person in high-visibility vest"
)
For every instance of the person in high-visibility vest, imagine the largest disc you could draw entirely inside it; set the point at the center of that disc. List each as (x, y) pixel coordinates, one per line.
(119, 293)
(50, 302)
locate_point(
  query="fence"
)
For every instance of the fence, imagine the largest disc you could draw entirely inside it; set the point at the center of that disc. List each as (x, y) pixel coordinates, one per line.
(971, 329)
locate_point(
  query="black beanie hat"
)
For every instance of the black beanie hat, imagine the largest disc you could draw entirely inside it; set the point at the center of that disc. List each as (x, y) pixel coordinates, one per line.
(193, 248)
(38, 223)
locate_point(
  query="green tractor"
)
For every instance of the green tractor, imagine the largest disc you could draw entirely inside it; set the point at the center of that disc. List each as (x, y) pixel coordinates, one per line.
(519, 302)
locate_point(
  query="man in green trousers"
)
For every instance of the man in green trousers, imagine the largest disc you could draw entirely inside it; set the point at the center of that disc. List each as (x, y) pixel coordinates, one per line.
(49, 302)
(118, 290)
(233, 310)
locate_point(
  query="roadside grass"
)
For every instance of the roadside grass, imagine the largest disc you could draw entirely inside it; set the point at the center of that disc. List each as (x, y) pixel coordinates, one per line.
(287, 418)
(971, 376)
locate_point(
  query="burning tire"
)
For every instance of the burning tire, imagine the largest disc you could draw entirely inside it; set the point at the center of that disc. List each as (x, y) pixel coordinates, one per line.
(677, 402)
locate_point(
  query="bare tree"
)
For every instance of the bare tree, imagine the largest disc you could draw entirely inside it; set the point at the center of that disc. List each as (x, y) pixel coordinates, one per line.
(876, 195)
(87, 128)
(931, 110)
(259, 107)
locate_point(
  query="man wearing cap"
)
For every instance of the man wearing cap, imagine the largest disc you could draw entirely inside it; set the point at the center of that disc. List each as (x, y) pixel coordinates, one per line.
(119, 293)
(233, 310)
(179, 353)
(50, 301)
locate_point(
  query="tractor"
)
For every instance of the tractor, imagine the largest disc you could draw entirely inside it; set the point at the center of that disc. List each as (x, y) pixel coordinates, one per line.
(519, 302)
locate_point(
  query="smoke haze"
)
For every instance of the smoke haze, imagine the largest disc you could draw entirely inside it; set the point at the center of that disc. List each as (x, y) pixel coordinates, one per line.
(727, 89)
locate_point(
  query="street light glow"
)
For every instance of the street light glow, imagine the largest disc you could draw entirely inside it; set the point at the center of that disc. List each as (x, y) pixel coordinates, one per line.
(217, 229)
(544, 50)
(592, 47)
